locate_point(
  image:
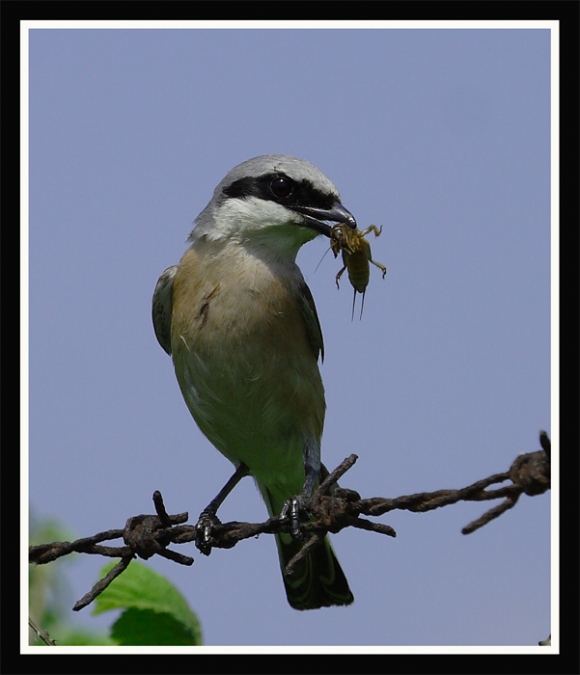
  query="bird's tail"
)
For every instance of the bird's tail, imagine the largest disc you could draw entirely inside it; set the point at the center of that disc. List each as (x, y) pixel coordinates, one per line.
(318, 579)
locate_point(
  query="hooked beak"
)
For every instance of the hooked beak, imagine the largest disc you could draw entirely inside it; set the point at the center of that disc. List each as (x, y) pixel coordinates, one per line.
(315, 218)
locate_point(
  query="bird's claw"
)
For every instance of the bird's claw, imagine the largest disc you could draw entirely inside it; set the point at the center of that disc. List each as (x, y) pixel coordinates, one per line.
(292, 513)
(204, 528)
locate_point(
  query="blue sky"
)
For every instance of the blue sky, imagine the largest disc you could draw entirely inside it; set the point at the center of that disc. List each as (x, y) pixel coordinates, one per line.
(442, 137)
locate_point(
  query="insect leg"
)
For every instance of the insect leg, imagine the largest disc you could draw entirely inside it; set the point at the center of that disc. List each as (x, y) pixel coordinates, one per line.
(381, 267)
(372, 228)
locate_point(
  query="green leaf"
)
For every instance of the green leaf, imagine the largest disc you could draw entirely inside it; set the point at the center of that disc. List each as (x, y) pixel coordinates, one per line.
(146, 627)
(155, 611)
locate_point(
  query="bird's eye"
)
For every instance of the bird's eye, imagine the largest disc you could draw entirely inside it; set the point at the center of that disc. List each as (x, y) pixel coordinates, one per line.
(281, 187)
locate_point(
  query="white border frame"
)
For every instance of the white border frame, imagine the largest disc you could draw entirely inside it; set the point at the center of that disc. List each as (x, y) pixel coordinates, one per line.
(553, 26)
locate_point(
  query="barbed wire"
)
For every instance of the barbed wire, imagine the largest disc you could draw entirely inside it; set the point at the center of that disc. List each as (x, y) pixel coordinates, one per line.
(330, 509)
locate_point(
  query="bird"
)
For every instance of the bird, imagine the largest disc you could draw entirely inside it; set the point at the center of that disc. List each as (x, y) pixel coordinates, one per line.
(241, 326)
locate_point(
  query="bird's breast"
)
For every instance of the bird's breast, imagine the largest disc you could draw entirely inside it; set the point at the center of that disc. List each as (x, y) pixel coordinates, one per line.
(242, 356)
(232, 303)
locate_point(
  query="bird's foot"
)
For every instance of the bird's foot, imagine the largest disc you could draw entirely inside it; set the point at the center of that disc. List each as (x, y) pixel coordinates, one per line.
(292, 514)
(206, 524)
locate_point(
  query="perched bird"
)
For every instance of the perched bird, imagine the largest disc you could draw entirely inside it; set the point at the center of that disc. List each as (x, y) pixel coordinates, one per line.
(241, 326)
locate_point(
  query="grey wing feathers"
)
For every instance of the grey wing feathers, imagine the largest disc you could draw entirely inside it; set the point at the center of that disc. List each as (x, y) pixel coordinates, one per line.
(162, 304)
(308, 309)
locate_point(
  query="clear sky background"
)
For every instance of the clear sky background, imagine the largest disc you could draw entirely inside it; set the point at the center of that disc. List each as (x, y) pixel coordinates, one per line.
(440, 136)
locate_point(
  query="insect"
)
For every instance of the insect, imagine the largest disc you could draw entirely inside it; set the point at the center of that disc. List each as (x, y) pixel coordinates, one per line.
(356, 255)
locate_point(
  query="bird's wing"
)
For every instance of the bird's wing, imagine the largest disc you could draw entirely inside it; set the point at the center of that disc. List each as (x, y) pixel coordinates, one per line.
(162, 304)
(308, 311)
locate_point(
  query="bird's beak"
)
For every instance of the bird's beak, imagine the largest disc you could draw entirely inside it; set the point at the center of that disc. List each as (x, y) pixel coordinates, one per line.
(315, 218)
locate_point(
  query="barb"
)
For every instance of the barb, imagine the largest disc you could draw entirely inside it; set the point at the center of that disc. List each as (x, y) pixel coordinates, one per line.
(100, 586)
(144, 536)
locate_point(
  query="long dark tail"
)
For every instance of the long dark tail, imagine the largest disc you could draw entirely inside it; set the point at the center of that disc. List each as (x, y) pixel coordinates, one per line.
(318, 580)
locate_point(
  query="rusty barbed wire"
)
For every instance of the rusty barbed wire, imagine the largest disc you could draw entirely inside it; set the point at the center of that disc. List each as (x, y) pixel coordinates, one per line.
(330, 509)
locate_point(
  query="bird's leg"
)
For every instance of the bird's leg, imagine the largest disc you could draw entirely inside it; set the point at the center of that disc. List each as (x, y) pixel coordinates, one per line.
(294, 509)
(208, 519)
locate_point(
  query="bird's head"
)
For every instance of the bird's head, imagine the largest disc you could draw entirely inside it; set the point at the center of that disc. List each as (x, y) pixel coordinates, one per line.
(272, 201)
